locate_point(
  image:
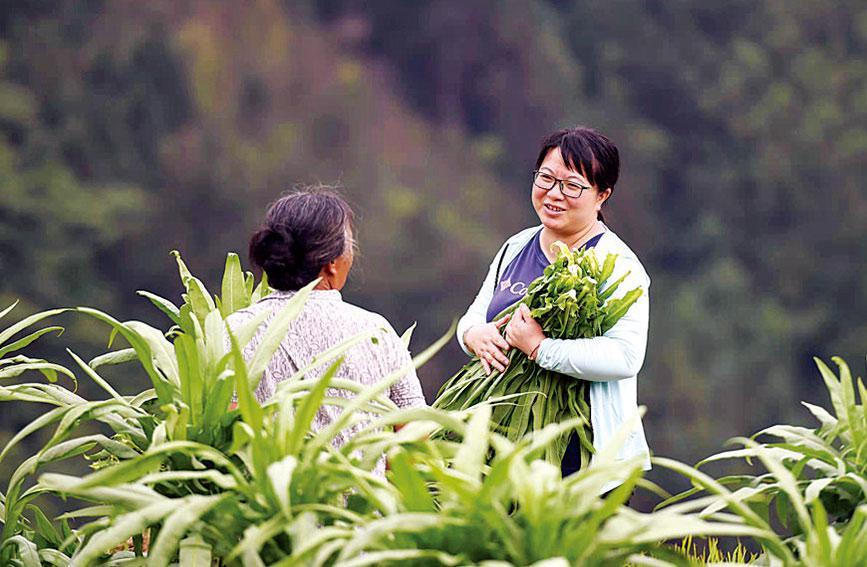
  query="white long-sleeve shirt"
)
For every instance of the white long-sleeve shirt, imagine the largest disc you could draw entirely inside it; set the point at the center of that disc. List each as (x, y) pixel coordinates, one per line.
(610, 362)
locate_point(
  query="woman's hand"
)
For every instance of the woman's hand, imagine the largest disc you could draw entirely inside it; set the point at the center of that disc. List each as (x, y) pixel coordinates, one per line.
(523, 332)
(486, 342)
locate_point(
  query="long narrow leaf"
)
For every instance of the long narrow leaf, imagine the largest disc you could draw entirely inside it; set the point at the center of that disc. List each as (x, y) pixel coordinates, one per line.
(6, 334)
(23, 342)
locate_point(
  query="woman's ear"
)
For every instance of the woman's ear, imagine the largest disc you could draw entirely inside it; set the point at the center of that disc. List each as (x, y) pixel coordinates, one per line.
(330, 269)
(328, 273)
(602, 196)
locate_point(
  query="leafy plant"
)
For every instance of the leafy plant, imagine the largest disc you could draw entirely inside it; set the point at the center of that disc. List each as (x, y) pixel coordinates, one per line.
(179, 462)
(176, 408)
(453, 508)
(814, 486)
(178, 470)
(711, 553)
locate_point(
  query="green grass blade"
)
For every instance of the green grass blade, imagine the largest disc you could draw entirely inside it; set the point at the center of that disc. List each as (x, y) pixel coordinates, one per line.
(474, 448)
(10, 308)
(262, 290)
(276, 332)
(100, 381)
(122, 528)
(23, 342)
(6, 334)
(309, 407)
(115, 357)
(35, 425)
(415, 494)
(164, 305)
(406, 337)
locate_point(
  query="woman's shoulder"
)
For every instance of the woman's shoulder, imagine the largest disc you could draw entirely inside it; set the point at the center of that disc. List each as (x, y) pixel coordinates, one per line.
(516, 242)
(362, 314)
(366, 318)
(241, 316)
(627, 259)
(523, 236)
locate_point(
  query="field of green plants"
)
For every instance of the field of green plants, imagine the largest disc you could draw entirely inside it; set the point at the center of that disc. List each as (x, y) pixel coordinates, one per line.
(176, 477)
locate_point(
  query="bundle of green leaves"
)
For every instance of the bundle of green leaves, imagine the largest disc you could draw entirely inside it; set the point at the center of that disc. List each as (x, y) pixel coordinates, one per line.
(572, 299)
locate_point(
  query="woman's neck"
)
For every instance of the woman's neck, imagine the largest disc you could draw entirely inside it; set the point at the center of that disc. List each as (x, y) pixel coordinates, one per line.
(573, 239)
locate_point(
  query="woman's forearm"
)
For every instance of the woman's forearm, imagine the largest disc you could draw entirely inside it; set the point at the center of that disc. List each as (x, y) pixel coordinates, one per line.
(616, 356)
(598, 359)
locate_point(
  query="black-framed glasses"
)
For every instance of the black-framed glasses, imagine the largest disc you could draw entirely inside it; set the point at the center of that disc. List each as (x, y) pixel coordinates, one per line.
(546, 181)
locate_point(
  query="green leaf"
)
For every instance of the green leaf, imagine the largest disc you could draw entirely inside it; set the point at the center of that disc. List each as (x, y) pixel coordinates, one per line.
(309, 407)
(27, 551)
(197, 295)
(164, 305)
(405, 557)
(21, 343)
(262, 290)
(251, 411)
(617, 308)
(161, 349)
(195, 552)
(373, 531)
(44, 527)
(474, 448)
(280, 479)
(276, 332)
(89, 511)
(415, 495)
(183, 271)
(234, 290)
(164, 389)
(8, 309)
(114, 357)
(187, 512)
(122, 528)
(35, 425)
(54, 557)
(407, 335)
(49, 369)
(97, 378)
(26, 322)
(128, 495)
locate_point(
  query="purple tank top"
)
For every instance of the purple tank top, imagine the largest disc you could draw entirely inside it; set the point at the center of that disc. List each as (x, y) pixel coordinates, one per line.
(528, 265)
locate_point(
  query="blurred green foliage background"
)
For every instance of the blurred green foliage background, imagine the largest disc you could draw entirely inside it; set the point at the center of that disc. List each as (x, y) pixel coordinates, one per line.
(129, 128)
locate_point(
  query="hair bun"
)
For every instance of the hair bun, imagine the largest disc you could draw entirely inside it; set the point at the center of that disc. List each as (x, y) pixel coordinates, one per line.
(274, 250)
(302, 232)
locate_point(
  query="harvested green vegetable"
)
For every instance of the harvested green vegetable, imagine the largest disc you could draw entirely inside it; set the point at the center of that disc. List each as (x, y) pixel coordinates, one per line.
(570, 300)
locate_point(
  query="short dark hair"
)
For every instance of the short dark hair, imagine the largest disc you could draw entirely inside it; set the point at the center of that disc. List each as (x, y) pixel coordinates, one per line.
(302, 232)
(588, 152)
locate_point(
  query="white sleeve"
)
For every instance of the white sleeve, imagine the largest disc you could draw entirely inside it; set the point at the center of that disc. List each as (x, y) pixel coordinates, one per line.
(616, 355)
(477, 313)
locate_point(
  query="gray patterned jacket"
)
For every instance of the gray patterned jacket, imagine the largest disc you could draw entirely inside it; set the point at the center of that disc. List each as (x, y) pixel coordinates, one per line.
(325, 321)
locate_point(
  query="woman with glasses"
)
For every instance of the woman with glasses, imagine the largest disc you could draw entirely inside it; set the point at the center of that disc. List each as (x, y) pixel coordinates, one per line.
(574, 177)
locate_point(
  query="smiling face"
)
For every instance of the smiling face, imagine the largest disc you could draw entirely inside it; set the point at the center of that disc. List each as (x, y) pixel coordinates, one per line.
(565, 216)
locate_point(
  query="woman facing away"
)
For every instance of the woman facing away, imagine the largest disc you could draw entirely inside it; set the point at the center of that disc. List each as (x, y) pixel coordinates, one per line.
(306, 235)
(575, 174)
